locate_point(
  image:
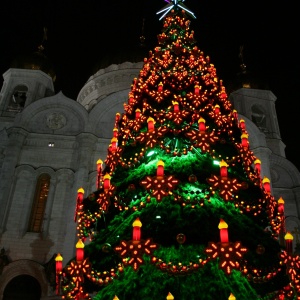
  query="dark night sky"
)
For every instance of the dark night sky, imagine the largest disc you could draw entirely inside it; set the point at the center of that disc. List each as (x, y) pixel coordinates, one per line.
(80, 33)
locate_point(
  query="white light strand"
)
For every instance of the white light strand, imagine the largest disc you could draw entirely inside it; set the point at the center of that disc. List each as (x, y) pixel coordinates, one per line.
(172, 5)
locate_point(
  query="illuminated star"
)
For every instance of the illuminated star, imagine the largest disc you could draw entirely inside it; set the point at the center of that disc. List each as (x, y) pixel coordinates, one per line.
(174, 4)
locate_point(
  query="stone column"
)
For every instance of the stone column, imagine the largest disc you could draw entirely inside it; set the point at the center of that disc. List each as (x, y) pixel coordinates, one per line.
(16, 138)
(84, 165)
(62, 212)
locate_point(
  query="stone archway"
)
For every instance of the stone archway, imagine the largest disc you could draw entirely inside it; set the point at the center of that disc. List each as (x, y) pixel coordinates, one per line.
(22, 287)
(29, 275)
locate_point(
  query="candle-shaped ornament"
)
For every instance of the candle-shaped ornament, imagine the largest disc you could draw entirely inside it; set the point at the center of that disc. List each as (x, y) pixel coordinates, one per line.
(245, 142)
(114, 144)
(289, 243)
(160, 168)
(115, 132)
(280, 208)
(160, 87)
(99, 172)
(106, 181)
(79, 250)
(223, 169)
(217, 109)
(175, 106)
(223, 94)
(136, 231)
(80, 193)
(257, 165)
(58, 271)
(118, 116)
(150, 123)
(196, 89)
(235, 114)
(201, 125)
(79, 200)
(137, 113)
(131, 99)
(266, 184)
(58, 263)
(223, 231)
(99, 166)
(242, 124)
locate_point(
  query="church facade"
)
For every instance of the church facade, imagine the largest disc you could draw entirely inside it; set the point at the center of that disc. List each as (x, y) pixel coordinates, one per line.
(49, 147)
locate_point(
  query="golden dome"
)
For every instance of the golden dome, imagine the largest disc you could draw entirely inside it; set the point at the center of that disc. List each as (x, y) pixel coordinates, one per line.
(35, 61)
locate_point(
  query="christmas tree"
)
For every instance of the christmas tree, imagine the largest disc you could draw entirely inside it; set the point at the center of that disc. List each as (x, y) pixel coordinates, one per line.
(181, 210)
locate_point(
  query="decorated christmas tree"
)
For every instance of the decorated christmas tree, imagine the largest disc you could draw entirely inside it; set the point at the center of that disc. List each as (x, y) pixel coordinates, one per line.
(181, 210)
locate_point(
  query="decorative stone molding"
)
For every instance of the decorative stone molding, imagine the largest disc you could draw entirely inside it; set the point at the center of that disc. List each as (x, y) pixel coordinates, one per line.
(56, 120)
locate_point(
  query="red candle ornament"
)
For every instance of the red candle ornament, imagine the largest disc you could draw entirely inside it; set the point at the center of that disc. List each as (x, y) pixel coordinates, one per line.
(223, 94)
(217, 109)
(197, 90)
(235, 114)
(79, 200)
(114, 144)
(245, 142)
(201, 125)
(118, 116)
(223, 231)
(289, 242)
(242, 124)
(151, 123)
(58, 270)
(106, 181)
(99, 172)
(136, 232)
(266, 184)
(160, 168)
(99, 165)
(175, 106)
(223, 169)
(137, 113)
(280, 203)
(79, 250)
(115, 132)
(80, 194)
(257, 165)
(131, 99)
(58, 263)
(160, 87)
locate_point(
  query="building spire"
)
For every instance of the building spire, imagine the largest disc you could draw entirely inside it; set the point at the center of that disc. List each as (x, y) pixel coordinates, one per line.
(41, 47)
(241, 56)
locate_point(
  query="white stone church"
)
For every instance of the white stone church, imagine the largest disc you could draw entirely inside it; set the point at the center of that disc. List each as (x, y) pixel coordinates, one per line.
(49, 146)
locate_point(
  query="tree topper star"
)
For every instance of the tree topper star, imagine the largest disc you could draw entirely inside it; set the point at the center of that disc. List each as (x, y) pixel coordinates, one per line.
(174, 4)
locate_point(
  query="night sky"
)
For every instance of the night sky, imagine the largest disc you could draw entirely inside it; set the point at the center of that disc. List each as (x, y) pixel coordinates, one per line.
(80, 34)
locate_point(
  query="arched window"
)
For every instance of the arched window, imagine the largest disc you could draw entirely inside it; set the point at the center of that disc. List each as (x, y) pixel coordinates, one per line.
(39, 203)
(259, 117)
(18, 98)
